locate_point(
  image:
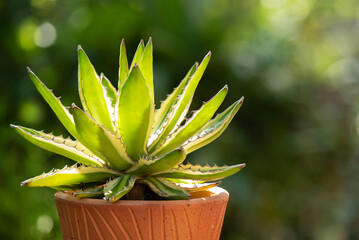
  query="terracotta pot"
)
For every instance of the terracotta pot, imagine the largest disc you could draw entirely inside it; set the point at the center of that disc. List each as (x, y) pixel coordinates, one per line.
(198, 218)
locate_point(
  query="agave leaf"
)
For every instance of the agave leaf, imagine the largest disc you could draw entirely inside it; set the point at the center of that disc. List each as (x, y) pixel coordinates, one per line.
(168, 161)
(101, 141)
(162, 114)
(91, 192)
(146, 66)
(199, 118)
(65, 147)
(197, 172)
(193, 185)
(92, 93)
(138, 54)
(213, 129)
(165, 188)
(61, 112)
(71, 175)
(180, 105)
(110, 91)
(123, 69)
(179, 181)
(185, 111)
(119, 187)
(110, 96)
(79, 186)
(135, 110)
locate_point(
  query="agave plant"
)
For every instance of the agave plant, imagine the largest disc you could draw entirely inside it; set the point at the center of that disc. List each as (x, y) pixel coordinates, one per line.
(123, 143)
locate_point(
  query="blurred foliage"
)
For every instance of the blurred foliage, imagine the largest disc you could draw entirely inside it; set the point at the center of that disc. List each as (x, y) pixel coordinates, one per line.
(295, 61)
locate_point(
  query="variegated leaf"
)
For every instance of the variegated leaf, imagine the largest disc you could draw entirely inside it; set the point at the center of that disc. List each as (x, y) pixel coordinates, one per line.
(65, 147)
(110, 95)
(71, 175)
(166, 110)
(135, 109)
(110, 91)
(180, 105)
(123, 65)
(119, 187)
(101, 141)
(61, 112)
(146, 66)
(91, 192)
(92, 93)
(196, 172)
(138, 54)
(168, 161)
(79, 187)
(193, 185)
(194, 124)
(165, 188)
(213, 129)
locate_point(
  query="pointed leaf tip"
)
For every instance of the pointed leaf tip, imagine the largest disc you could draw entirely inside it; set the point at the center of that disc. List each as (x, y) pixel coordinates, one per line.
(149, 40)
(123, 41)
(28, 70)
(79, 48)
(239, 102)
(135, 65)
(73, 105)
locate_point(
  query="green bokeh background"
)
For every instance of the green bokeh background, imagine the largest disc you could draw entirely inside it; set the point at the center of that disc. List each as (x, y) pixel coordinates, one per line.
(295, 61)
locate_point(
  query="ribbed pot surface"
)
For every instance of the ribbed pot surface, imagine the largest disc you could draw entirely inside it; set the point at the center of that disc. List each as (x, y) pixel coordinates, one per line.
(198, 218)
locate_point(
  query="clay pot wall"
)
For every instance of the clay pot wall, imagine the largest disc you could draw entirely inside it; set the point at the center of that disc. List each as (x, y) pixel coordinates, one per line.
(198, 218)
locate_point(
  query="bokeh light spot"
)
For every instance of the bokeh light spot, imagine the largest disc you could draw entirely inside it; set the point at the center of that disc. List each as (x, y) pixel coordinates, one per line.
(45, 35)
(44, 224)
(80, 18)
(278, 79)
(299, 9)
(273, 3)
(30, 112)
(25, 34)
(343, 71)
(43, 4)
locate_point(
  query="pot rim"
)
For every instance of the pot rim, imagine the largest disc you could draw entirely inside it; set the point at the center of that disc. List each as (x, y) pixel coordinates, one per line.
(212, 194)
